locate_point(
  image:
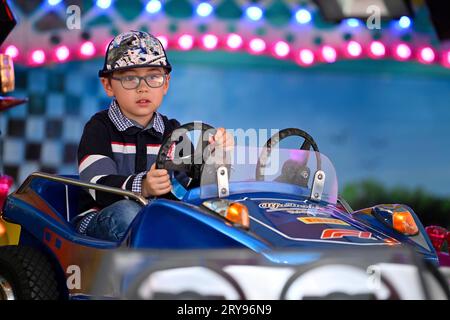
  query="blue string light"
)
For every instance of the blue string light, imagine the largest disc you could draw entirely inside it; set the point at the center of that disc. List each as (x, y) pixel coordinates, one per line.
(153, 6)
(352, 22)
(303, 16)
(204, 9)
(53, 2)
(254, 13)
(404, 22)
(103, 4)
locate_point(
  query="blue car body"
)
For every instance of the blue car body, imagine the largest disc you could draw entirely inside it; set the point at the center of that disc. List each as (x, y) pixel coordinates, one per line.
(278, 220)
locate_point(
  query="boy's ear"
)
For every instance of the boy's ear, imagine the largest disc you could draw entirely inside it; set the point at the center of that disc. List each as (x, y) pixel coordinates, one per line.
(166, 85)
(106, 82)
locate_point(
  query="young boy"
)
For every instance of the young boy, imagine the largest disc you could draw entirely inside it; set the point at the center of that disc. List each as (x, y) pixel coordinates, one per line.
(119, 145)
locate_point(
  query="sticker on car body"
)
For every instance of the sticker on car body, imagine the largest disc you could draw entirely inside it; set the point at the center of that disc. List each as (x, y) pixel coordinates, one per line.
(292, 207)
(340, 233)
(317, 220)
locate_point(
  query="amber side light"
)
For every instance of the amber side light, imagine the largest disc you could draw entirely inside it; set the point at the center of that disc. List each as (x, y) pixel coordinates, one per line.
(404, 223)
(238, 213)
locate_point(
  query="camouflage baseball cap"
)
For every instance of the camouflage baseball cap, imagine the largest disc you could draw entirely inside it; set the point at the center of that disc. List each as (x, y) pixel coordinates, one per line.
(134, 49)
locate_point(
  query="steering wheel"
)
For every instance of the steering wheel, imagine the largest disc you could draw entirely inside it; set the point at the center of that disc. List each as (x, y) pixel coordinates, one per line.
(196, 159)
(288, 168)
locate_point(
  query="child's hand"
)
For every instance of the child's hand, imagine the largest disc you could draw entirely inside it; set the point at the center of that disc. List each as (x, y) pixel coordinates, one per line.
(156, 183)
(222, 139)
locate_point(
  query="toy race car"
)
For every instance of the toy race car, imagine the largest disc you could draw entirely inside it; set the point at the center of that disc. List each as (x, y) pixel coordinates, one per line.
(258, 199)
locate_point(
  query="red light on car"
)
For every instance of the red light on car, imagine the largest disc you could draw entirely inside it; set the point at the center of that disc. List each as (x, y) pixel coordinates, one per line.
(5, 183)
(448, 241)
(437, 236)
(2, 229)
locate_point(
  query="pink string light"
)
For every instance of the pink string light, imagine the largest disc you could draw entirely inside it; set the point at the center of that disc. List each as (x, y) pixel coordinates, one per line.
(62, 53)
(257, 45)
(402, 51)
(12, 51)
(306, 57)
(353, 49)
(87, 49)
(234, 41)
(38, 56)
(426, 55)
(377, 49)
(186, 42)
(446, 59)
(164, 41)
(281, 49)
(328, 54)
(210, 41)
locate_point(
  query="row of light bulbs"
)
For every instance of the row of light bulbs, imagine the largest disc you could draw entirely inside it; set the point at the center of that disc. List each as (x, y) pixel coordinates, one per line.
(233, 42)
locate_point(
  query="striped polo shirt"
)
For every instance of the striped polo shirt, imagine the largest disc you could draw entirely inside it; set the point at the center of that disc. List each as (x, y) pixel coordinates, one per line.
(116, 151)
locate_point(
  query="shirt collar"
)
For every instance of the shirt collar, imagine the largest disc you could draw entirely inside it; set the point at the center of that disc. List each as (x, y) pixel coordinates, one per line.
(122, 123)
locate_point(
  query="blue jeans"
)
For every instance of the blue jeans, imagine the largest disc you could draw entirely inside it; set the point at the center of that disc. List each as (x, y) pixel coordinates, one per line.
(112, 222)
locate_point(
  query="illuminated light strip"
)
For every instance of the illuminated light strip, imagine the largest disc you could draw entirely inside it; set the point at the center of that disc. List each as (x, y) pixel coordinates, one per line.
(305, 57)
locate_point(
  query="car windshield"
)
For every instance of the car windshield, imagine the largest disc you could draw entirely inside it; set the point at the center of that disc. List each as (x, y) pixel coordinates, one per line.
(244, 169)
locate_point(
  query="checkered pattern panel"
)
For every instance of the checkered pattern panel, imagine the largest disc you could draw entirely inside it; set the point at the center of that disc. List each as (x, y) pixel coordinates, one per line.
(43, 134)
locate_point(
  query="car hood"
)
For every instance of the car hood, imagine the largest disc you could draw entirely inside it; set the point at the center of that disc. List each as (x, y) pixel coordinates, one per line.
(289, 222)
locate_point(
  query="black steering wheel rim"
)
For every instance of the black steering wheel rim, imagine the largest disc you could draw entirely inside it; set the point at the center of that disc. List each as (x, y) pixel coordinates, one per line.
(193, 169)
(276, 138)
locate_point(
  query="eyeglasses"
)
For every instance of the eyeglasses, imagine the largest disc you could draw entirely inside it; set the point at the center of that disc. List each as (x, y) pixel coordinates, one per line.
(133, 82)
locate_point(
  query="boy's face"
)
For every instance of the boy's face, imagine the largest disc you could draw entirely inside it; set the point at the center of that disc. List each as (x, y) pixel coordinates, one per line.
(138, 103)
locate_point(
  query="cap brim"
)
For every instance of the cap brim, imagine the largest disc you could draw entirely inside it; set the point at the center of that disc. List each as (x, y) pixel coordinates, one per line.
(105, 73)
